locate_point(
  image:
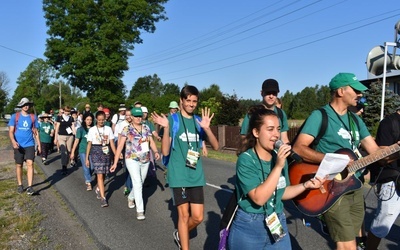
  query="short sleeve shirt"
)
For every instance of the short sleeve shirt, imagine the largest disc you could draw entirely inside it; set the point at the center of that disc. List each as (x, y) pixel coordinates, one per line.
(82, 135)
(137, 145)
(338, 133)
(284, 123)
(45, 129)
(179, 175)
(98, 135)
(249, 176)
(23, 130)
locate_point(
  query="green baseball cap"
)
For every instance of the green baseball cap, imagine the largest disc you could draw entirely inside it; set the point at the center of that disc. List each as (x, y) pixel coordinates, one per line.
(137, 112)
(346, 79)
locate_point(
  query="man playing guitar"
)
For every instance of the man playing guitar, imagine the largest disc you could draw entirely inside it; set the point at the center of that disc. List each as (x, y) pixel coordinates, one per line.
(345, 215)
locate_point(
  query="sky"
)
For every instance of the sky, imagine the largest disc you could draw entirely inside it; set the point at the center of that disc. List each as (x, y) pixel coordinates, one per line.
(234, 44)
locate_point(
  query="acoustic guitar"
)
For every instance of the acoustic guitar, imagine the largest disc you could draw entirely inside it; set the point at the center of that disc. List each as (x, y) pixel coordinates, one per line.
(315, 202)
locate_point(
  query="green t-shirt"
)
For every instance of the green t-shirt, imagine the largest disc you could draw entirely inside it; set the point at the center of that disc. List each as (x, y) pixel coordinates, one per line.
(340, 133)
(179, 175)
(150, 125)
(284, 123)
(249, 176)
(81, 134)
(45, 129)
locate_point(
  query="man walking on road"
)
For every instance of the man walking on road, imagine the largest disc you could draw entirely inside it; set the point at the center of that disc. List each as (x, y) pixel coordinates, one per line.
(185, 171)
(23, 132)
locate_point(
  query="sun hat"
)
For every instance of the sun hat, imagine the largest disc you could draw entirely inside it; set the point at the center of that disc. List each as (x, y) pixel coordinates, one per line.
(45, 115)
(137, 102)
(270, 85)
(346, 79)
(137, 112)
(122, 107)
(23, 102)
(173, 105)
(87, 105)
(144, 110)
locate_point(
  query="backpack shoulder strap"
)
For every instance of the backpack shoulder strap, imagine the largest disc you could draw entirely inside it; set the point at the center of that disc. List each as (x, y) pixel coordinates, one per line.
(175, 128)
(200, 129)
(322, 130)
(280, 114)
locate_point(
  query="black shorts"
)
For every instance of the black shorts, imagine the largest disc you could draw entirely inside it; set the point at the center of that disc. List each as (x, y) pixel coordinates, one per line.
(23, 154)
(188, 195)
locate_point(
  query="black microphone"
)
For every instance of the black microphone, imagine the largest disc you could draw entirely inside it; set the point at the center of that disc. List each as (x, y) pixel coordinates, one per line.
(293, 154)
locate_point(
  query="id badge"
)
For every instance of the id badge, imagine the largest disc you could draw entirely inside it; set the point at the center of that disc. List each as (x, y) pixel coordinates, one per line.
(105, 150)
(145, 147)
(191, 158)
(275, 227)
(69, 130)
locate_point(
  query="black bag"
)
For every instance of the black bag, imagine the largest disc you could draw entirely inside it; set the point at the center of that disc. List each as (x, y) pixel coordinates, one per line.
(229, 210)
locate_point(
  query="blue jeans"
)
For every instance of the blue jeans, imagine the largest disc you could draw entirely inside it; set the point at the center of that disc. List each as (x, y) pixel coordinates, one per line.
(87, 172)
(248, 231)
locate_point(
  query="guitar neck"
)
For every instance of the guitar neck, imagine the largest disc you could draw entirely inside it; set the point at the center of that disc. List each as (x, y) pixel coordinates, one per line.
(369, 159)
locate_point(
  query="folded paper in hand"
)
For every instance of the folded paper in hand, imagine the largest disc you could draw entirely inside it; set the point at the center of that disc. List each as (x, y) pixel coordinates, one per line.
(332, 164)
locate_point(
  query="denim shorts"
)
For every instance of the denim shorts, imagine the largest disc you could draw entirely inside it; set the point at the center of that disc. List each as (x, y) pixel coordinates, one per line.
(249, 231)
(387, 211)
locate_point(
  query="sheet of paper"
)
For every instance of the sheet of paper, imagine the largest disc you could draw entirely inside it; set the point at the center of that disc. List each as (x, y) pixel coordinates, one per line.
(332, 164)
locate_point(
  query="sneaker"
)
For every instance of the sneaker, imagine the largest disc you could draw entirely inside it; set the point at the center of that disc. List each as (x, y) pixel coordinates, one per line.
(140, 216)
(88, 187)
(20, 189)
(30, 191)
(324, 227)
(176, 238)
(45, 162)
(104, 202)
(126, 191)
(97, 191)
(131, 203)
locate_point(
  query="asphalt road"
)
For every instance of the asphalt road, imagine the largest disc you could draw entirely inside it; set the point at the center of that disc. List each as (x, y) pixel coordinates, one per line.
(116, 227)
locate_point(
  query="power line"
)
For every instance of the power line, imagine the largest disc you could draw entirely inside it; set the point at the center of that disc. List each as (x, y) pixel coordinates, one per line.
(284, 50)
(19, 52)
(234, 35)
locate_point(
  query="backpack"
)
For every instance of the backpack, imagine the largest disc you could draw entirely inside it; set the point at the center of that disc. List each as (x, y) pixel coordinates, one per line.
(280, 114)
(17, 115)
(175, 128)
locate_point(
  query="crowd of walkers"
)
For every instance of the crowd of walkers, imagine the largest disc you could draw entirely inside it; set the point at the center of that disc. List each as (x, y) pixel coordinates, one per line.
(102, 142)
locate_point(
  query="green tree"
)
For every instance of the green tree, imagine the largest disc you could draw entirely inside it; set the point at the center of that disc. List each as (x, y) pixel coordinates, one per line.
(147, 84)
(31, 84)
(170, 89)
(230, 111)
(371, 115)
(4, 81)
(287, 99)
(212, 91)
(90, 41)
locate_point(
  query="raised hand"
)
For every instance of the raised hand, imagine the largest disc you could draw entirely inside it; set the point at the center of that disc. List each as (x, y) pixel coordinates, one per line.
(161, 119)
(205, 118)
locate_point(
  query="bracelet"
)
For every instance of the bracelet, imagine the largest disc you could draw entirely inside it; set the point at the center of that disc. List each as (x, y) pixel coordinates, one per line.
(304, 185)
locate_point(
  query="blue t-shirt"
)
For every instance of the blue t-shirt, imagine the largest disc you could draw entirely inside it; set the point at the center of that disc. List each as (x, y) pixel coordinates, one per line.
(23, 130)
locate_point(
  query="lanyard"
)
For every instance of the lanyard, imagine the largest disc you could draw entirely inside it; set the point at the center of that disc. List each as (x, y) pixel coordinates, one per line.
(187, 136)
(350, 121)
(101, 137)
(263, 176)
